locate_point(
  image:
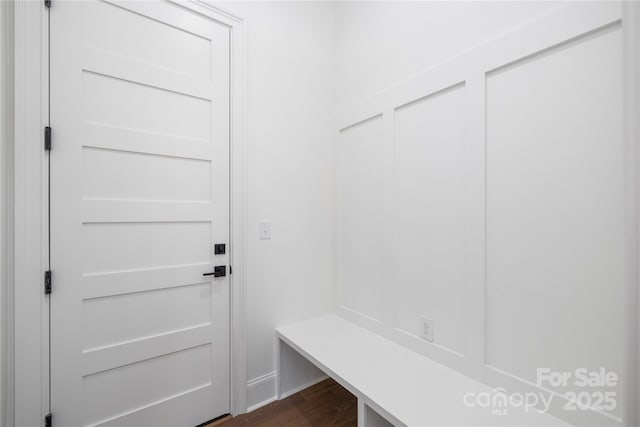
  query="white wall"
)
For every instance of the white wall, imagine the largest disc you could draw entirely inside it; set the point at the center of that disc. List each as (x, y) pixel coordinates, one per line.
(487, 192)
(382, 43)
(290, 97)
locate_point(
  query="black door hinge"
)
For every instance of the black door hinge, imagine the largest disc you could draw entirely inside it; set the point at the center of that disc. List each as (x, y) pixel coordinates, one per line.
(47, 3)
(47, 282)
(47, 420)
(230, 270)
(47, 138)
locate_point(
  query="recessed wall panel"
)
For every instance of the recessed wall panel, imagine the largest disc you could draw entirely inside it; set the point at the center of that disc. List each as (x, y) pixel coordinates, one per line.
(111, 247)
(117, 391)
(115, 30)
(430, 207)
(124, 175)
(166, 310)
(555, 203)
(130, 105)
(361, 217)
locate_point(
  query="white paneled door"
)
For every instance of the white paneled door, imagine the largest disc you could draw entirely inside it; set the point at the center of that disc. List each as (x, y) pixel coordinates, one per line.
(139, 174)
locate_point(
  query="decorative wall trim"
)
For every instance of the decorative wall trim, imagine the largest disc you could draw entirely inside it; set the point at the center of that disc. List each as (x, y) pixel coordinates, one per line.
(561, 27)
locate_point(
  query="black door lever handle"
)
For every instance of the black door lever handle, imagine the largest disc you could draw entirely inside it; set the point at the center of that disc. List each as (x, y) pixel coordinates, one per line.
(218, 271)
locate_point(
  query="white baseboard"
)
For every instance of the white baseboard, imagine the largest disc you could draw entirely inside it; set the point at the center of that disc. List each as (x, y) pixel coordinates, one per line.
(261, 404)
(262, 390)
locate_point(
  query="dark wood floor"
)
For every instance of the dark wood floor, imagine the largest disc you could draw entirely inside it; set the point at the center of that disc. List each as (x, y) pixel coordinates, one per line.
(322, 405)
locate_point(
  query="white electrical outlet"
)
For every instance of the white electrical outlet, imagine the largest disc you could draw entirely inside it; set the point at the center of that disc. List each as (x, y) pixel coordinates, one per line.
(426, 331)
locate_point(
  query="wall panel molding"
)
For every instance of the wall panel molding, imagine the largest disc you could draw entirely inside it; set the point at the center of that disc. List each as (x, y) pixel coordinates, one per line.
(552, 34)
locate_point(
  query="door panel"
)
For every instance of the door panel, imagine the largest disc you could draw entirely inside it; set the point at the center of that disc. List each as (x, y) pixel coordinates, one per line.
(139, 195)
(127, 388)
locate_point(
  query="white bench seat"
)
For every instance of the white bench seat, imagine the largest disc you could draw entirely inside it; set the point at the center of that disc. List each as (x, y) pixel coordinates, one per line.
(402, 386)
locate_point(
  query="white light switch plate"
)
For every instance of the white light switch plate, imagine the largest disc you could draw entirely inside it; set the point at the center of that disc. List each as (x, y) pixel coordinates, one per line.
(264, 230)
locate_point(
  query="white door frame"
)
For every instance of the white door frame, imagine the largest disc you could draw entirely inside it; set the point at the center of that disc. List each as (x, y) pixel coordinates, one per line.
(31, 308)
